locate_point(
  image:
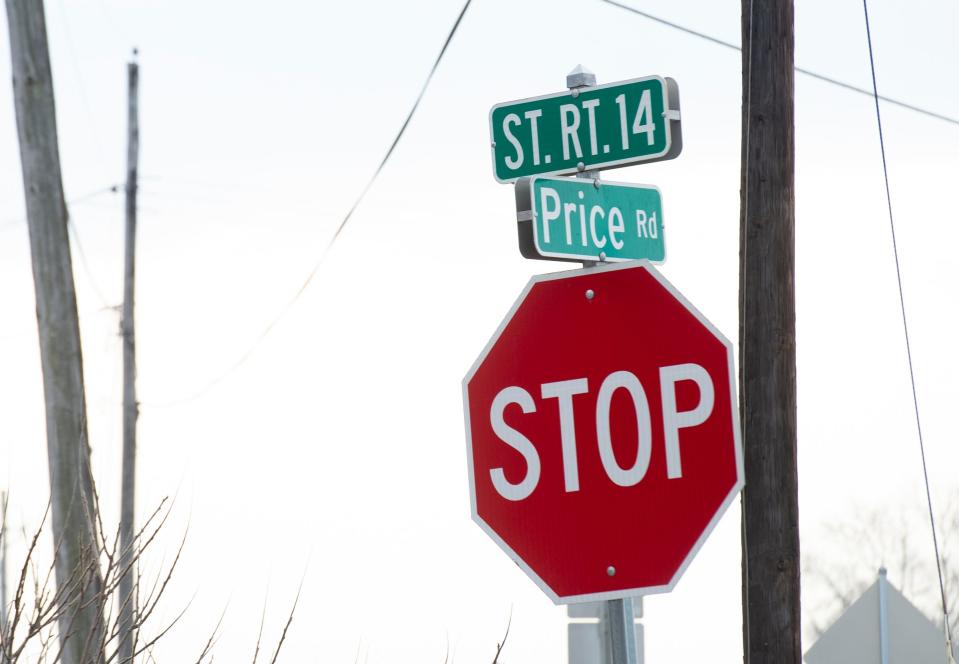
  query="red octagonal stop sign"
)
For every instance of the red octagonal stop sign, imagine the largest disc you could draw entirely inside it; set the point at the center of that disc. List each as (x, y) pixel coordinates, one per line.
(602, 432)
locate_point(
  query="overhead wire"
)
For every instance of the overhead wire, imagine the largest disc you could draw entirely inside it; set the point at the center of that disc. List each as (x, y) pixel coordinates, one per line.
(242, 359)
(874, 94)
(19, 221)
(85, 265)
(905, 329)
(75, 61)
(98, 143)
(801, 70)
(74, 233)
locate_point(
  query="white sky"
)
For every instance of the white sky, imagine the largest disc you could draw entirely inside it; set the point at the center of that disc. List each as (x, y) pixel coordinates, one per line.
(337, 450)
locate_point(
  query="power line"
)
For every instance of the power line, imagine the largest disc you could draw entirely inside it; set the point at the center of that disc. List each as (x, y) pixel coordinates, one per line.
(322, 258)
(21, 221)
(346, 219)
(78, 245)
(74, 232)
(75, 236)
(675, 26)
(806, 72)
(80, 85)
(905, 329)
(81, 254)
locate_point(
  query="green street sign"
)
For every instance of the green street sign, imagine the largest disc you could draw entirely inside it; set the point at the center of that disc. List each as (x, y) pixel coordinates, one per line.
(581, 219)
(588, 128)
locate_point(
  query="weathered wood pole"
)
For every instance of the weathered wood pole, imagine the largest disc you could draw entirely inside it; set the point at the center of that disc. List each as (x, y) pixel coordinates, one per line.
(128, 599)
(767, 338)
(71, 483)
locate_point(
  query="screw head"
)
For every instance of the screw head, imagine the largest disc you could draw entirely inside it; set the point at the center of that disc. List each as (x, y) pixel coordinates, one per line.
(590, 294)
(602, 256)
(580, 167)
(610, 571)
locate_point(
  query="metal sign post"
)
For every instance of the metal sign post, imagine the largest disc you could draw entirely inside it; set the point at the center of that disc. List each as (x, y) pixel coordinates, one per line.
(620, 627)
(622, 631)
(588, 631)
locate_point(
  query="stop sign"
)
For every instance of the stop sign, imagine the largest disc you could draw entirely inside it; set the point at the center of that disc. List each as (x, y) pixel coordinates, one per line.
(602, 432)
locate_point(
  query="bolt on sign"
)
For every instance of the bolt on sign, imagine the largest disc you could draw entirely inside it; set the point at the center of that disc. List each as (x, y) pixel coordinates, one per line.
(577, 219)
(587, 128)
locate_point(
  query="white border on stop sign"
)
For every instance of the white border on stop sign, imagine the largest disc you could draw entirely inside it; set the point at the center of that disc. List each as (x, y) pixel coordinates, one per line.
(737, 439)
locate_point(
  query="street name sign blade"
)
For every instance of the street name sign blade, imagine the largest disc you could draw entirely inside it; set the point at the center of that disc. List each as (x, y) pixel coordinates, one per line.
(595, 127)
(581, 219)
(602, 433)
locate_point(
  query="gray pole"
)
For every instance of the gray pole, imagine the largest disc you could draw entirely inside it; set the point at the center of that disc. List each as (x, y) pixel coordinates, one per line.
(127, 613)
(767, 338)
(622, 631)
(71, 482)
(620, 626)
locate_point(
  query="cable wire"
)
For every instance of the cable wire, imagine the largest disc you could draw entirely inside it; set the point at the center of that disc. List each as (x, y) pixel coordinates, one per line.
(806, 72)
(346, 219)
(74, 233)
(905, 329)
(75, 61)
(81, 254)
(322, 258)
(19, 221)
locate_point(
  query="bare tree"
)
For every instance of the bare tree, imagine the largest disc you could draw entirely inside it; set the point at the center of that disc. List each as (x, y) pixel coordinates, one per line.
(39, 608)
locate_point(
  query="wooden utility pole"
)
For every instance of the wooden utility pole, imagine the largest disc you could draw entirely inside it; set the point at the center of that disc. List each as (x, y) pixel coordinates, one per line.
(72, 498)
(767, 338)
(128, 600)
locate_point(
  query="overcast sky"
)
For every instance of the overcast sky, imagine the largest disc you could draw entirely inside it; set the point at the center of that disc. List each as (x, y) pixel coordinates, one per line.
(336, 452)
